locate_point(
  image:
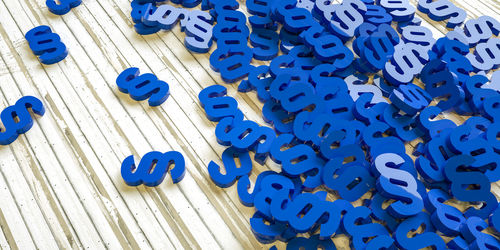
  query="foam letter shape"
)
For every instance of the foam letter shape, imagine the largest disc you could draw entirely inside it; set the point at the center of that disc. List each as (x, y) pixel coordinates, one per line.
(153, 168)
(426, 239)
(353, 179)
(233, 172)
(446, 219)
(142, 87)
(400, 10)
(440, 82)
(199, 31)
(46, 45)
(460, 181)
(398, 184)
(217, 105)
(358, 224)
(441, 10)
(17, 119)
(63, 7)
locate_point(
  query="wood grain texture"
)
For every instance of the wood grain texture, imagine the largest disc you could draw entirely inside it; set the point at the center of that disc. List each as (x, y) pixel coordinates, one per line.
(60, 183)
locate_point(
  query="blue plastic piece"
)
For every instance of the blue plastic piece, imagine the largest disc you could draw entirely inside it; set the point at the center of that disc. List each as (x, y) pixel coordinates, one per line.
(327, 73)
(233, 56)
(344, 135)
(410, 98)
(358, 85)
(308, 163)
(478, 125)
(381, 242)
(460, 181)
(246, 197)
(233, 63)
(437, 150)
(17, 119)
(368, 112)
(378, 48)
(294, 19)
(433, 128)
(486, 56)
(430, 172)
(142, 87)
(260, 80)
(293, 97)
(377, 15)
(336, 100)
(476, 30)
(312, 243)
(325, 214)
(492, 108)
(494, 220)
(304, 58)
(272, 185)
(400, 10)
(494, 82)
(358, 224)
(198, 30)
(379, 145)
(245, 135)
(407, 62)
(153, 168)
(415, 22)
(383, 85)
(285, 64)
(261, 11)
(217, 105)
(288, 40)
(343, 139)
(350, 180)
(313, 127)
(446, 219)
(492, 135)
(274, 114)
(164, 16)
(348, 16)
(324, 10)
(421, 240)
(419, 35)
(139, 10)
(233, 172)
(453, 53)
(327, 48)
(458, 243)
(364, 30)
(440, 82)
(306, 4)
(62, 7)
(380, 213)
(46, 45)
(187, 3)
(442, 10)
(265, 43)
(271, 231)
(397, 184)
(472, 233)
(405, 126)
(477, 147)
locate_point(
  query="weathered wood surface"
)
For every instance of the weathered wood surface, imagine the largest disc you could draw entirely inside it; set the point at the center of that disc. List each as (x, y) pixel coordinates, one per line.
(60, 183)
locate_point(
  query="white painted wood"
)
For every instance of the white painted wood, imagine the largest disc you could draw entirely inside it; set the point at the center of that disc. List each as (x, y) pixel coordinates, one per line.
(61, 184)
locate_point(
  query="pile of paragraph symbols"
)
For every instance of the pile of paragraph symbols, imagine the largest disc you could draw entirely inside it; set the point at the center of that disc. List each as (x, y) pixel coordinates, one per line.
(356, 95)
